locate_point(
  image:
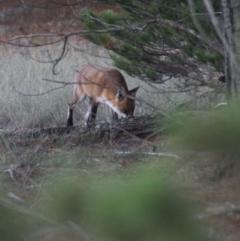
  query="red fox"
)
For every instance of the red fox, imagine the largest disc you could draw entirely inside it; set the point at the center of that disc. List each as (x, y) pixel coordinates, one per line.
(101, 85)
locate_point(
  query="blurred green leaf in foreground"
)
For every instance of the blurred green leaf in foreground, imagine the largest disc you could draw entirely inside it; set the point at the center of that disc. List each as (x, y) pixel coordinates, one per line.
(142, 207)
(214, 132)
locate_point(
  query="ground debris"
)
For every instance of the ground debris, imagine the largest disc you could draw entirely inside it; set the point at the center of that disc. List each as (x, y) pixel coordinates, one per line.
(140, 126)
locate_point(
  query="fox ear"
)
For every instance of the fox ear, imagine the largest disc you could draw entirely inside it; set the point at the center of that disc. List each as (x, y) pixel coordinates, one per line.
(133, 91)
(121, 94)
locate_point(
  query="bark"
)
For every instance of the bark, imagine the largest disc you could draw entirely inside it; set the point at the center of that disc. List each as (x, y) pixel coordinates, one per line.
(231, 28)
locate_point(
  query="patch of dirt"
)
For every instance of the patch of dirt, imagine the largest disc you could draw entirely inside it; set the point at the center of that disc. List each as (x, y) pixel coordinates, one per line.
(222, 207)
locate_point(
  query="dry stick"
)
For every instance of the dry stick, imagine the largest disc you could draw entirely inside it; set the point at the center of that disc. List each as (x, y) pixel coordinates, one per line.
(138, 26)
(155, 133)
(43, 93)
(148, 153)
(133, 136)
(56, 61)
(15, 197)
(23, 210)
(48, 91)
(78, 48)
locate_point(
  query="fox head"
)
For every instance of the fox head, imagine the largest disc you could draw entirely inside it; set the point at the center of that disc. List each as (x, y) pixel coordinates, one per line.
(126, 101)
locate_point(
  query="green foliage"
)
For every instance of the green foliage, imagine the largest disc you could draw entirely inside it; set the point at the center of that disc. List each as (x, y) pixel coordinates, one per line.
(143, 207)
(207, 57)
(109, 16)
(88, 16)
(12, 224)
(203, 55)
(69, 200)
(216, 132)
(145, 46)
(124, 63)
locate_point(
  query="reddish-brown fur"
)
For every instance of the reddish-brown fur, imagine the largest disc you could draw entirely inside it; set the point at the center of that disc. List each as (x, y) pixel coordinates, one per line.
(101, 85)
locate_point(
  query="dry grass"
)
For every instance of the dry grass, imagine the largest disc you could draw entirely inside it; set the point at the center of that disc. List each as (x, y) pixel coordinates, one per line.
(20, 74)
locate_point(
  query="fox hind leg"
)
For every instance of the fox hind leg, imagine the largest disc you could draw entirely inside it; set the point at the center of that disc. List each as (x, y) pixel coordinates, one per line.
(92, 112)
(76, 98)
(70, 116)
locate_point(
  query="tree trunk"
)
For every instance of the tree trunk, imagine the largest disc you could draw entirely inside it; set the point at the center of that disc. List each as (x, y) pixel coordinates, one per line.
(231, 30)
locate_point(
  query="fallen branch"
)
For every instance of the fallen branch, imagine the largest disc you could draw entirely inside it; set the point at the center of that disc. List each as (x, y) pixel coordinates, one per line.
(141, 126)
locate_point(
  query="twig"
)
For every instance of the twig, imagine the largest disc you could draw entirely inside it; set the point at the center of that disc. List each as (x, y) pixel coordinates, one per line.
(15, 197)
(43, 93)
(148, 153)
